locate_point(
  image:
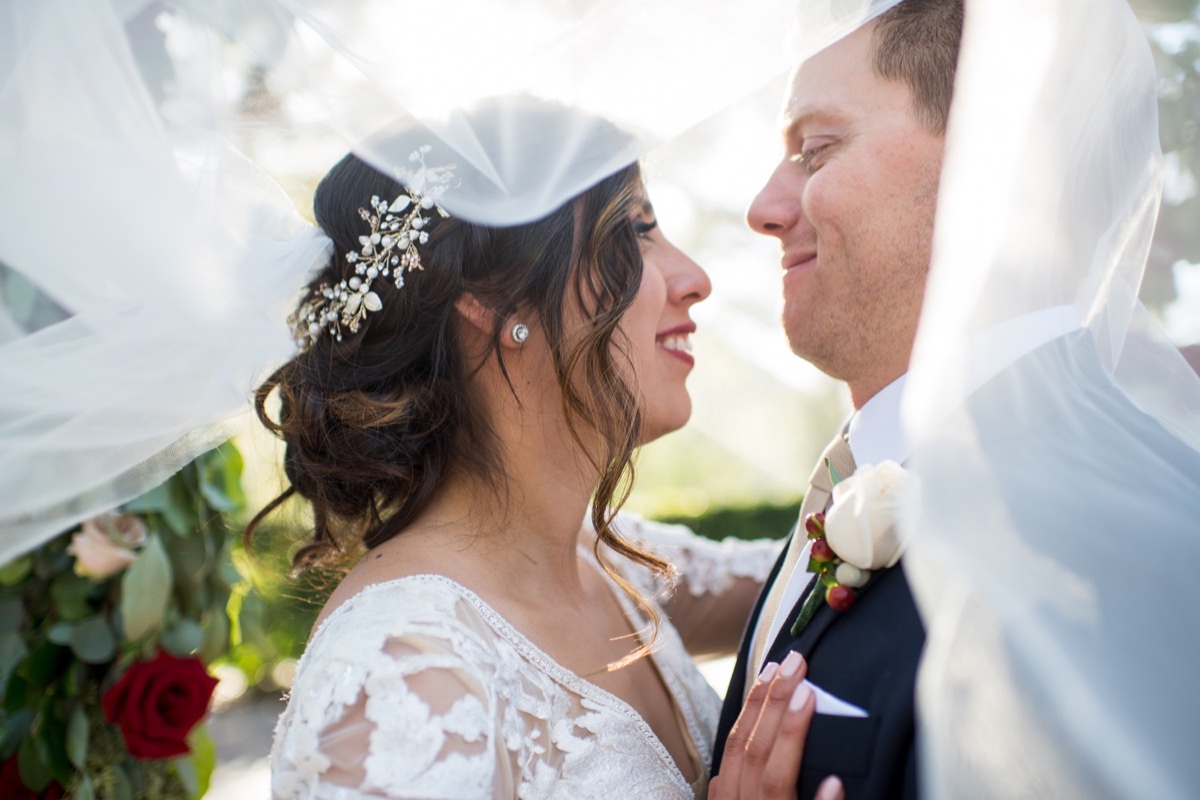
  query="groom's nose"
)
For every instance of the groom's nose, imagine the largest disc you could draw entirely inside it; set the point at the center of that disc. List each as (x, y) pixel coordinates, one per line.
(776, 208)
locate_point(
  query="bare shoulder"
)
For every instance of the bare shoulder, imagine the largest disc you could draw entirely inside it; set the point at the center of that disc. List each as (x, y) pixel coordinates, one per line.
(387, 564)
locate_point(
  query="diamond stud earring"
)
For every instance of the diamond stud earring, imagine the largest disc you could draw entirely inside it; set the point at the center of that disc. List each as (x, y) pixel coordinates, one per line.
(520, 333)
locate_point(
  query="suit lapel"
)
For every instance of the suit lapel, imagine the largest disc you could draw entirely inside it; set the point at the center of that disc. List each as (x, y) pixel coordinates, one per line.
(822, 619)
(733, 694)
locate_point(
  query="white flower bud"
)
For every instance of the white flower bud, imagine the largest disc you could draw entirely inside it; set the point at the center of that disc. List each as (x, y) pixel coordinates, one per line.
(849, 575)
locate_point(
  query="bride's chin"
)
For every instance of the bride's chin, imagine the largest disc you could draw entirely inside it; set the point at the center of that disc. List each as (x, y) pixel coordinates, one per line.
(658, 428)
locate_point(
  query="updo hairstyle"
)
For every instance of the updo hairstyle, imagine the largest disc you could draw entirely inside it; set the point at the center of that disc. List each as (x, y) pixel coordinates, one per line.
(373, 424)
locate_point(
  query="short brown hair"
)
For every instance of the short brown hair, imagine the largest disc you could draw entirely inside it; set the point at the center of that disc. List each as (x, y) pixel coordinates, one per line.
(917, 42)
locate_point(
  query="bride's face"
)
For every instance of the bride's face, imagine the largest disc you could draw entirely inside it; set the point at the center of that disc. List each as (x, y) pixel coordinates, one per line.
(659, 329)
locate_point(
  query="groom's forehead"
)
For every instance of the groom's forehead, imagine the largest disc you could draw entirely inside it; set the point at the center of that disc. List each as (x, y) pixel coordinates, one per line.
(832, 78)
(826, 77)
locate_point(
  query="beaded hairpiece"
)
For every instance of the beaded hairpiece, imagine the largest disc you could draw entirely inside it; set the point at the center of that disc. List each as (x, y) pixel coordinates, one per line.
(389, 250)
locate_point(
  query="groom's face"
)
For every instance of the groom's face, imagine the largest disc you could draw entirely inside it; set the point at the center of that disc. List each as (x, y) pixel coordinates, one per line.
(852, 204)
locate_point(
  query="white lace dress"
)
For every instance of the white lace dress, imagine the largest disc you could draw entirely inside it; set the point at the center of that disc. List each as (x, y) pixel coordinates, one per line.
(456, 703)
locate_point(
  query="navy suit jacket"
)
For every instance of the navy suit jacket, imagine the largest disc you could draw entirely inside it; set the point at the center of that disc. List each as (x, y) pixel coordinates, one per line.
(866, 656)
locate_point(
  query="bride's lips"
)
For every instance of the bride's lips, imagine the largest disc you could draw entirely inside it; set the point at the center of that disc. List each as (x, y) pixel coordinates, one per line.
(677, 342)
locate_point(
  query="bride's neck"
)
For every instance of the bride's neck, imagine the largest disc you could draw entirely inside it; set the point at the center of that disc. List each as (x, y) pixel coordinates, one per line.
(528, 524)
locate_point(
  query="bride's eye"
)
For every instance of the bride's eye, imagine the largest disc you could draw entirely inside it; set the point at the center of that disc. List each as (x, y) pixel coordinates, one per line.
(643, 227)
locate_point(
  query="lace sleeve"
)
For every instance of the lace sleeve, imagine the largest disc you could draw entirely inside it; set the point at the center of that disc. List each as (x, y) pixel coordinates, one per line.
(718, 582)
(380, 713)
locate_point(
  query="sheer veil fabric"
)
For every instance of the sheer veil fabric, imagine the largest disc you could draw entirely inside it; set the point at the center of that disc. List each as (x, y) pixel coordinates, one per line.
(1056, 532)
(149, 262)
(149, 265)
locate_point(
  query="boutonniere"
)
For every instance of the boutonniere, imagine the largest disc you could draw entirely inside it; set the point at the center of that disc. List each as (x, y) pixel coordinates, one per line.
(856, 536)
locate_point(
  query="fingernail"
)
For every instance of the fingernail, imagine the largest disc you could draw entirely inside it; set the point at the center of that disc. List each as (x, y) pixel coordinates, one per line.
(800, 696)
(768, 672)
(829, 789)
(790, 664)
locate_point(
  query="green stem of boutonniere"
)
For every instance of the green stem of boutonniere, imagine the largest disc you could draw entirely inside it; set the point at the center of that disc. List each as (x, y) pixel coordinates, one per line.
(811, 603)
(823, 563)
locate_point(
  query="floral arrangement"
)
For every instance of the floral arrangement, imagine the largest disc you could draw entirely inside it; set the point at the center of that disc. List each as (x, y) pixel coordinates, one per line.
(105, 632)
(857, 536)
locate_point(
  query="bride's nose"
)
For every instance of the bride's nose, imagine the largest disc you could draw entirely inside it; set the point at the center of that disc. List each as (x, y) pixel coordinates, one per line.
(687, 282)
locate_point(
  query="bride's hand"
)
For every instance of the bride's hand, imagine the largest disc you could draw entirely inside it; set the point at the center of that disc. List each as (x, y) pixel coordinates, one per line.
(764, 750)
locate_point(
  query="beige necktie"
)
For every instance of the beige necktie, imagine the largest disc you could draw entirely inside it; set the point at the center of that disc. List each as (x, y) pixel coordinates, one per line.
(816, 499)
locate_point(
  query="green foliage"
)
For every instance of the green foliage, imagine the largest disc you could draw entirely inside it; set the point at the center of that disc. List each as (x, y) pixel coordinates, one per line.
(145, 589)
(768, 521)
(65, 637)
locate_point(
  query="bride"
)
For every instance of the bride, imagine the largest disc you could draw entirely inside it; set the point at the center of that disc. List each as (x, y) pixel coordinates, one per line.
(460, 396)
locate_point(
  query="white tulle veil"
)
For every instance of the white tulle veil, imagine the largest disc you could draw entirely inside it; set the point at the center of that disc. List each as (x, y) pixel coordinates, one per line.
(1058, 525)
(149, 263)
(147, 266)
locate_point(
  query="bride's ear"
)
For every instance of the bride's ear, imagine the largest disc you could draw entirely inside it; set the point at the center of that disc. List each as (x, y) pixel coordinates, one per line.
(483, 320)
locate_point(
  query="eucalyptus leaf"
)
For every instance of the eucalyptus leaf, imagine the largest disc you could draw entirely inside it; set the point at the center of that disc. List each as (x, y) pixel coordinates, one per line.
(156, 499)
(69, 593)
(145, 590)
(185, 771)
(77, 737)
(16, 692)
(14, 572)
(51, 738)
(93, 642)
(84, 790)
(216, 634)
(122, 788)
(15, 729)
(60, 633)
(12, 651)
(221, 478)
(11, 614)
(34, 772)
(183, 639)
(203, 760)
(180, 511)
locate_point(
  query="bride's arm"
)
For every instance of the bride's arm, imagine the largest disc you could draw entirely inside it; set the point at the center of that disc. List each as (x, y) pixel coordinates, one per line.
(718, 585)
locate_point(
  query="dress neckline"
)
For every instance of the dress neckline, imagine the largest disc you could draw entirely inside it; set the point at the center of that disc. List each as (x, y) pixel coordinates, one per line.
(560, 674)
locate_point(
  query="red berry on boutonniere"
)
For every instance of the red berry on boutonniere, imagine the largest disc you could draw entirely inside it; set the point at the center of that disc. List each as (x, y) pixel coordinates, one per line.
(839, 597)
(814, 526)
(821, 552)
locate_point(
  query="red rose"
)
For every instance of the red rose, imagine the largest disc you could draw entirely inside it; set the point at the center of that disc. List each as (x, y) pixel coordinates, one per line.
(157, 703)
(13, 788)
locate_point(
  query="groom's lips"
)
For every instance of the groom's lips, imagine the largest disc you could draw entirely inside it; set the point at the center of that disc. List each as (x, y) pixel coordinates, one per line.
(791, 261)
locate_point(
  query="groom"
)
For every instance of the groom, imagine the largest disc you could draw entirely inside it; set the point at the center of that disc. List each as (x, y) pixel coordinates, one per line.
(852, 205)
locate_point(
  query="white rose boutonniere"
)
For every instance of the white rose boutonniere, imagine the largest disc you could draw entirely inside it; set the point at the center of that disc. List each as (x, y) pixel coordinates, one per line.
(861, 524)
(858, 534)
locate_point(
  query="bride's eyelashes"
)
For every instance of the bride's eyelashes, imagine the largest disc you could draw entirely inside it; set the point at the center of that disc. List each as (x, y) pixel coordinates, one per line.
(643, 227)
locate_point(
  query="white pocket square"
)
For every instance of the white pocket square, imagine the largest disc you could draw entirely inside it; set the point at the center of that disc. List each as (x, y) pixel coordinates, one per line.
(834, 706)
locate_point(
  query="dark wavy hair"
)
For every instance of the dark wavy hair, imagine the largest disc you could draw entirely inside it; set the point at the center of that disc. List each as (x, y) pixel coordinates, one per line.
(374, 424)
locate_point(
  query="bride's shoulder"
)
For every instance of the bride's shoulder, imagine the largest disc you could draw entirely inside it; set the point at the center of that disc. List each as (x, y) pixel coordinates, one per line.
(398, 665)
(413, 605)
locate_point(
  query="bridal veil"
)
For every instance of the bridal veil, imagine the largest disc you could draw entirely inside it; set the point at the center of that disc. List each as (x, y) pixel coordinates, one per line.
(148, 265)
